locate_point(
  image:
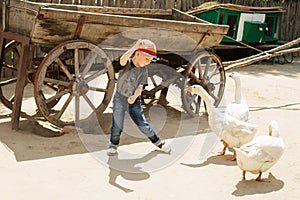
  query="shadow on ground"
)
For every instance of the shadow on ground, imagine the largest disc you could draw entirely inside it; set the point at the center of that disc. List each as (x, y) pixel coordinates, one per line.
(252, 187)
(36, 141)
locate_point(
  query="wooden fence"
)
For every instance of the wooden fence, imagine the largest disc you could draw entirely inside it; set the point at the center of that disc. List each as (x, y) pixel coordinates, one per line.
(290, 28)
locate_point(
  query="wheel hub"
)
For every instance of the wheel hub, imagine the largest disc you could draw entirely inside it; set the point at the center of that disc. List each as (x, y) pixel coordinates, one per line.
(211, 86)
(80, 87)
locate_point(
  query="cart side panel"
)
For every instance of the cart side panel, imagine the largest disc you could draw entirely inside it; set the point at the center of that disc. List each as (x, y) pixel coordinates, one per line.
(149, 13)
(98, 27)
(22, 17)
(51, 32)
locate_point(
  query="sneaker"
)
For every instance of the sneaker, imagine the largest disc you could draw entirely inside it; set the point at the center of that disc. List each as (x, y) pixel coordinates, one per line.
(164, 147)
(112, 150)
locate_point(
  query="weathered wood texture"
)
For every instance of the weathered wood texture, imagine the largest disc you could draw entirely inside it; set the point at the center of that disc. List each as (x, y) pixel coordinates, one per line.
(278, 51)
(54, 26)
(290, 26)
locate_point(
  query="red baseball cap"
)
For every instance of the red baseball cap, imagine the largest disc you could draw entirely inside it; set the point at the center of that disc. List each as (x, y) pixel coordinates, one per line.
(149, 49)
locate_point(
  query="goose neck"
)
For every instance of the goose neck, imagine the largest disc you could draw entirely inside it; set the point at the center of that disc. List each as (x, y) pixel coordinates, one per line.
(238, 91)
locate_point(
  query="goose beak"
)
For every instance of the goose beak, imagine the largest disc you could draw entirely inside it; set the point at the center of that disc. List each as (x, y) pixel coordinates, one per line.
(230, 75)
(189, 89)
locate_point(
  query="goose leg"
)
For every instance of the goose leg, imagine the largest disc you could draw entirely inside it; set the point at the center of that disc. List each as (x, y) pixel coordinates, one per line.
(221, 153)
(261, 179)
(244, 174)
(233, 158)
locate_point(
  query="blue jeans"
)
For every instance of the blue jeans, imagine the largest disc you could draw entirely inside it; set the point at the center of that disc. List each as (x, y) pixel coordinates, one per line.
(120, 106)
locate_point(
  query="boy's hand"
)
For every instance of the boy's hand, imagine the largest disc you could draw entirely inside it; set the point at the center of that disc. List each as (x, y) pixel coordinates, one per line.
(126, 56)
(139, 44)
(131, 99)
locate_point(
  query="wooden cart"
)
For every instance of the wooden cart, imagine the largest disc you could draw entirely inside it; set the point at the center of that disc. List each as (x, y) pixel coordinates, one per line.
(69, 52)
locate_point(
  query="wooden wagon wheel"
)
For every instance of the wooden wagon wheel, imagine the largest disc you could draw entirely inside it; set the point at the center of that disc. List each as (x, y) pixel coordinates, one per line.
(79, 77)
(205, 69)
(160, 78)
(8, 73)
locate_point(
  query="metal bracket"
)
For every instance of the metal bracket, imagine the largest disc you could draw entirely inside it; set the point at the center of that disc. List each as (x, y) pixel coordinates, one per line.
(79, 27)
(203, 39)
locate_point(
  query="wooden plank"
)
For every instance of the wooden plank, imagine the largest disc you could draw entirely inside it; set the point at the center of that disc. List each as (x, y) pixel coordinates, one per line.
(179, 4)
(54, 26)
(170, 4)
(22, 17)
(112, 10)
(149, 4)
(261, 57)
(129, 3)
(266, 54)
(66, 2)
(20, 84)
(117, 3)
(191, 4)
(105, 2)
(126, 11)
(67, 15)
(85, 2)
(21, 78)
(182, 16)
(183, 4)
(203, 8)
(5, 15)
(46, 1)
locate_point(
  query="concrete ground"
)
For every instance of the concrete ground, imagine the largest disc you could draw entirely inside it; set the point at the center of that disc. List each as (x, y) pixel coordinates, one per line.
(75, 166)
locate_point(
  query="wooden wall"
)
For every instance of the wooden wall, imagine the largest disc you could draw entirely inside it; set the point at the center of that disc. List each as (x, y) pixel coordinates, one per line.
(290, 26)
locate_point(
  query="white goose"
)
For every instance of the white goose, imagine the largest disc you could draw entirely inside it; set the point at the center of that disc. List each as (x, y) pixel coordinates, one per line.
(261, 153)
(237, 108)
(232, 131)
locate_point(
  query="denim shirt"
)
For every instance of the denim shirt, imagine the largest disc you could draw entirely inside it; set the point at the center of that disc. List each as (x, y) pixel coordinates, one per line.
(130, 78)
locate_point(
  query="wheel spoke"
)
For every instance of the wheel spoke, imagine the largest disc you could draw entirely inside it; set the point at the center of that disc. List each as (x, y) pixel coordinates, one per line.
(77, 108)
(63, 68)
(195, 78)
(10, 67)
(63, 109)
(153, 81)
(95, 75)
(198, 64)
(208, 63)
(213, 96)
(11, 100)
(215, 72)
(88, 65)
(51, 86)
(221, 82)
(7, 82)
(57, 82)
(76, 62)
(56, 96)
(98, 89)
(197, 104)
(191, 99)
(89, 102)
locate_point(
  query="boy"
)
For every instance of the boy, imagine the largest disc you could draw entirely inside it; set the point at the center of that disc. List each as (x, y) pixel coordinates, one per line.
(127, 96)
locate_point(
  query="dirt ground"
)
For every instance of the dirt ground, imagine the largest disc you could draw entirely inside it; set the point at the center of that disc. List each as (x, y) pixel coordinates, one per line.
(74, 165)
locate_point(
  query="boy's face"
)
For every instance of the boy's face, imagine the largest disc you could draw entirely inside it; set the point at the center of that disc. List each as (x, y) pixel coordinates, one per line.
(143, 59)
